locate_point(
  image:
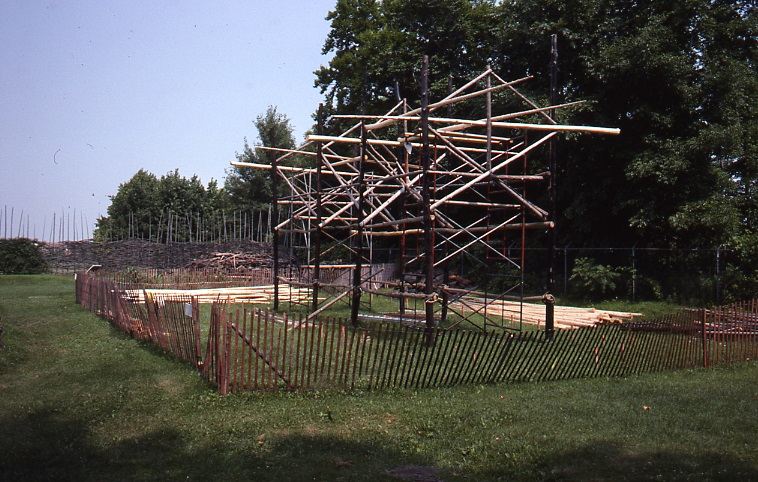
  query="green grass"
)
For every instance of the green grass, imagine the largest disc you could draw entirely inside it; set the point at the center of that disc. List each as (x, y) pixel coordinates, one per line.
(651, 309)
(81, 401)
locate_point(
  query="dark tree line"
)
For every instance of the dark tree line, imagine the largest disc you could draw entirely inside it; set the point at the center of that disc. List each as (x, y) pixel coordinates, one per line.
(678, 78)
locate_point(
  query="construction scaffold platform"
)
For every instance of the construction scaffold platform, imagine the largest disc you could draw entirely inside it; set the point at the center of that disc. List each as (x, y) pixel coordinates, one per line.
(433, 189)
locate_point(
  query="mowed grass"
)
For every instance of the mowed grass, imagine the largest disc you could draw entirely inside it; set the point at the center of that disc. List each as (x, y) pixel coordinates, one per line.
(79, 400)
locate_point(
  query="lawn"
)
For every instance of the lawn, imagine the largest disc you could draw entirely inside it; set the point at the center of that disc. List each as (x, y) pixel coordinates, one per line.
(79, 400)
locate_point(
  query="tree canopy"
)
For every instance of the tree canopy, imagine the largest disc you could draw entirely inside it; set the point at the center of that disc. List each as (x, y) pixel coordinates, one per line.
(676, 77)
(150, 207)
(250, 189)
(173, 207)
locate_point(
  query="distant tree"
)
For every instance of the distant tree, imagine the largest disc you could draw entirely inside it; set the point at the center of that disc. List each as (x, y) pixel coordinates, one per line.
(249, 188)
(21, 256)
(133, 209)
(162, 209)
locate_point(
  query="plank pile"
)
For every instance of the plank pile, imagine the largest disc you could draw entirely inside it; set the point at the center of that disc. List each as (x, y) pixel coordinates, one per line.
(566, 317)
(245, 294)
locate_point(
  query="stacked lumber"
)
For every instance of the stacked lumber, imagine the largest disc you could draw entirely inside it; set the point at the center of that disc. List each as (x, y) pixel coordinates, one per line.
(245, 294)
(566, 317)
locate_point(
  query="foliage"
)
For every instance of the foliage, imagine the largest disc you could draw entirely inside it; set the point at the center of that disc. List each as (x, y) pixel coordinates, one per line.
(250, 188)
(593, 281)
(21, 256)
(160, 209)
(377, 44)
(678, 79)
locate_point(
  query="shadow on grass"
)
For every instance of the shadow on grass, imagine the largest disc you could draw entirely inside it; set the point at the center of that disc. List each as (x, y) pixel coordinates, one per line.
(610, 461)
(47, 445)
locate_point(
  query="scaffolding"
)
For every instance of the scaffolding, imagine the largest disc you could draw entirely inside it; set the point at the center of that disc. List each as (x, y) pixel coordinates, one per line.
(434, 190)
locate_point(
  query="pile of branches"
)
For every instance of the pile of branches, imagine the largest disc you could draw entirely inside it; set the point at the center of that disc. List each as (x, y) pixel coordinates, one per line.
(231, 262)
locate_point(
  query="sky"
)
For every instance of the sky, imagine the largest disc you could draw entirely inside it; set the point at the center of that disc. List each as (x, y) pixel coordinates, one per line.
(92, 91)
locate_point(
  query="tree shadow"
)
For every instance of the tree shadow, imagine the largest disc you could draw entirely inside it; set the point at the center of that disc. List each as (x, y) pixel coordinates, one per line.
(47, 445)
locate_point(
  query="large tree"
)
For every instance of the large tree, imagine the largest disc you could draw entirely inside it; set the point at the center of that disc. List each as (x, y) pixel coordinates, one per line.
(250, 188)
(378, 45)
(678, 78)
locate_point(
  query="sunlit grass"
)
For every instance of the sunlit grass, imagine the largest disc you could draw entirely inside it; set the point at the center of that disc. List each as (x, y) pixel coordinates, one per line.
(79, 400)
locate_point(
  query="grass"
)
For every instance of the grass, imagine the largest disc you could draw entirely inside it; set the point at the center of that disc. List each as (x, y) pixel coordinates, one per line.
(81, 401)
(651, 309)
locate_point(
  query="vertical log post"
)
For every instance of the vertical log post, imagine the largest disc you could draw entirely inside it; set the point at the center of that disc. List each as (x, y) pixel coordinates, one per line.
(317, 233)
(402, 157)
(275, 222)
(549, 298)
(427, 211)
(704, 337)
(446, 267)
(358, 253)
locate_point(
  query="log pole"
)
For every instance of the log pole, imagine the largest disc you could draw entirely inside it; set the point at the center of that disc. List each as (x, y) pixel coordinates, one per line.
(358, 254)
(317, 233)
(275, 222)
(550, 300)
(427, 210)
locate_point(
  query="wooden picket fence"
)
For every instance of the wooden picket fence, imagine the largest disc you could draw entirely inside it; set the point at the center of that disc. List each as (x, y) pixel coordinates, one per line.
(253, 350)
(171, 323)
(250, 349)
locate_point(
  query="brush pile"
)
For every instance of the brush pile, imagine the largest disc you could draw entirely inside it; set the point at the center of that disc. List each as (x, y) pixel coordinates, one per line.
(236, 261)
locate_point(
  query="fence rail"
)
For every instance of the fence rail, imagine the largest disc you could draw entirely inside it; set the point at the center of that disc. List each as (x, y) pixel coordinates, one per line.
(250, 349)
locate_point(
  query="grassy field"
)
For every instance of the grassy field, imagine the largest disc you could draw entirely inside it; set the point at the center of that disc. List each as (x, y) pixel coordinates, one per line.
(81, 401)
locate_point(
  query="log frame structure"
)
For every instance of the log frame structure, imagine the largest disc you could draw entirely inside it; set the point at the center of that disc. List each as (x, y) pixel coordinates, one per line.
(440, 188)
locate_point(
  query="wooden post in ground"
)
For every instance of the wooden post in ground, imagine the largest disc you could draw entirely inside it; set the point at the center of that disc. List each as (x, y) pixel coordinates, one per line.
(358, 250)
(426, 205)
(402, 156)
(275, 223)
(317, 232)
(704, 338)
(550, 300)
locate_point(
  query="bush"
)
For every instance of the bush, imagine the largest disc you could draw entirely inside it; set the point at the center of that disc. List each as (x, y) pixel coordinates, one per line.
(21, 256)
(590, 281)
(636, 286)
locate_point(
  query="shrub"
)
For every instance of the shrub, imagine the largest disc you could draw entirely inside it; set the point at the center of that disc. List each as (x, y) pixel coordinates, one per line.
(592, 281)
(21, 256)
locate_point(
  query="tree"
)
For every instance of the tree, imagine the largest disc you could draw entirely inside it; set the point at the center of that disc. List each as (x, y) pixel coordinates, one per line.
(378, 44)
(21, 256)
(664, 72)
(678, 78)
(133, 209)
(164, 209)
(249, 188)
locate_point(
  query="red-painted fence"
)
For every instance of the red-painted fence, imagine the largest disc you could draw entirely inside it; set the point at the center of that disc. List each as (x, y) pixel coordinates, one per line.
(249, 349)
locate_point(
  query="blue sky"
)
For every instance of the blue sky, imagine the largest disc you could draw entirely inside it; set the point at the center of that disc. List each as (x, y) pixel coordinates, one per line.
(91, 91)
